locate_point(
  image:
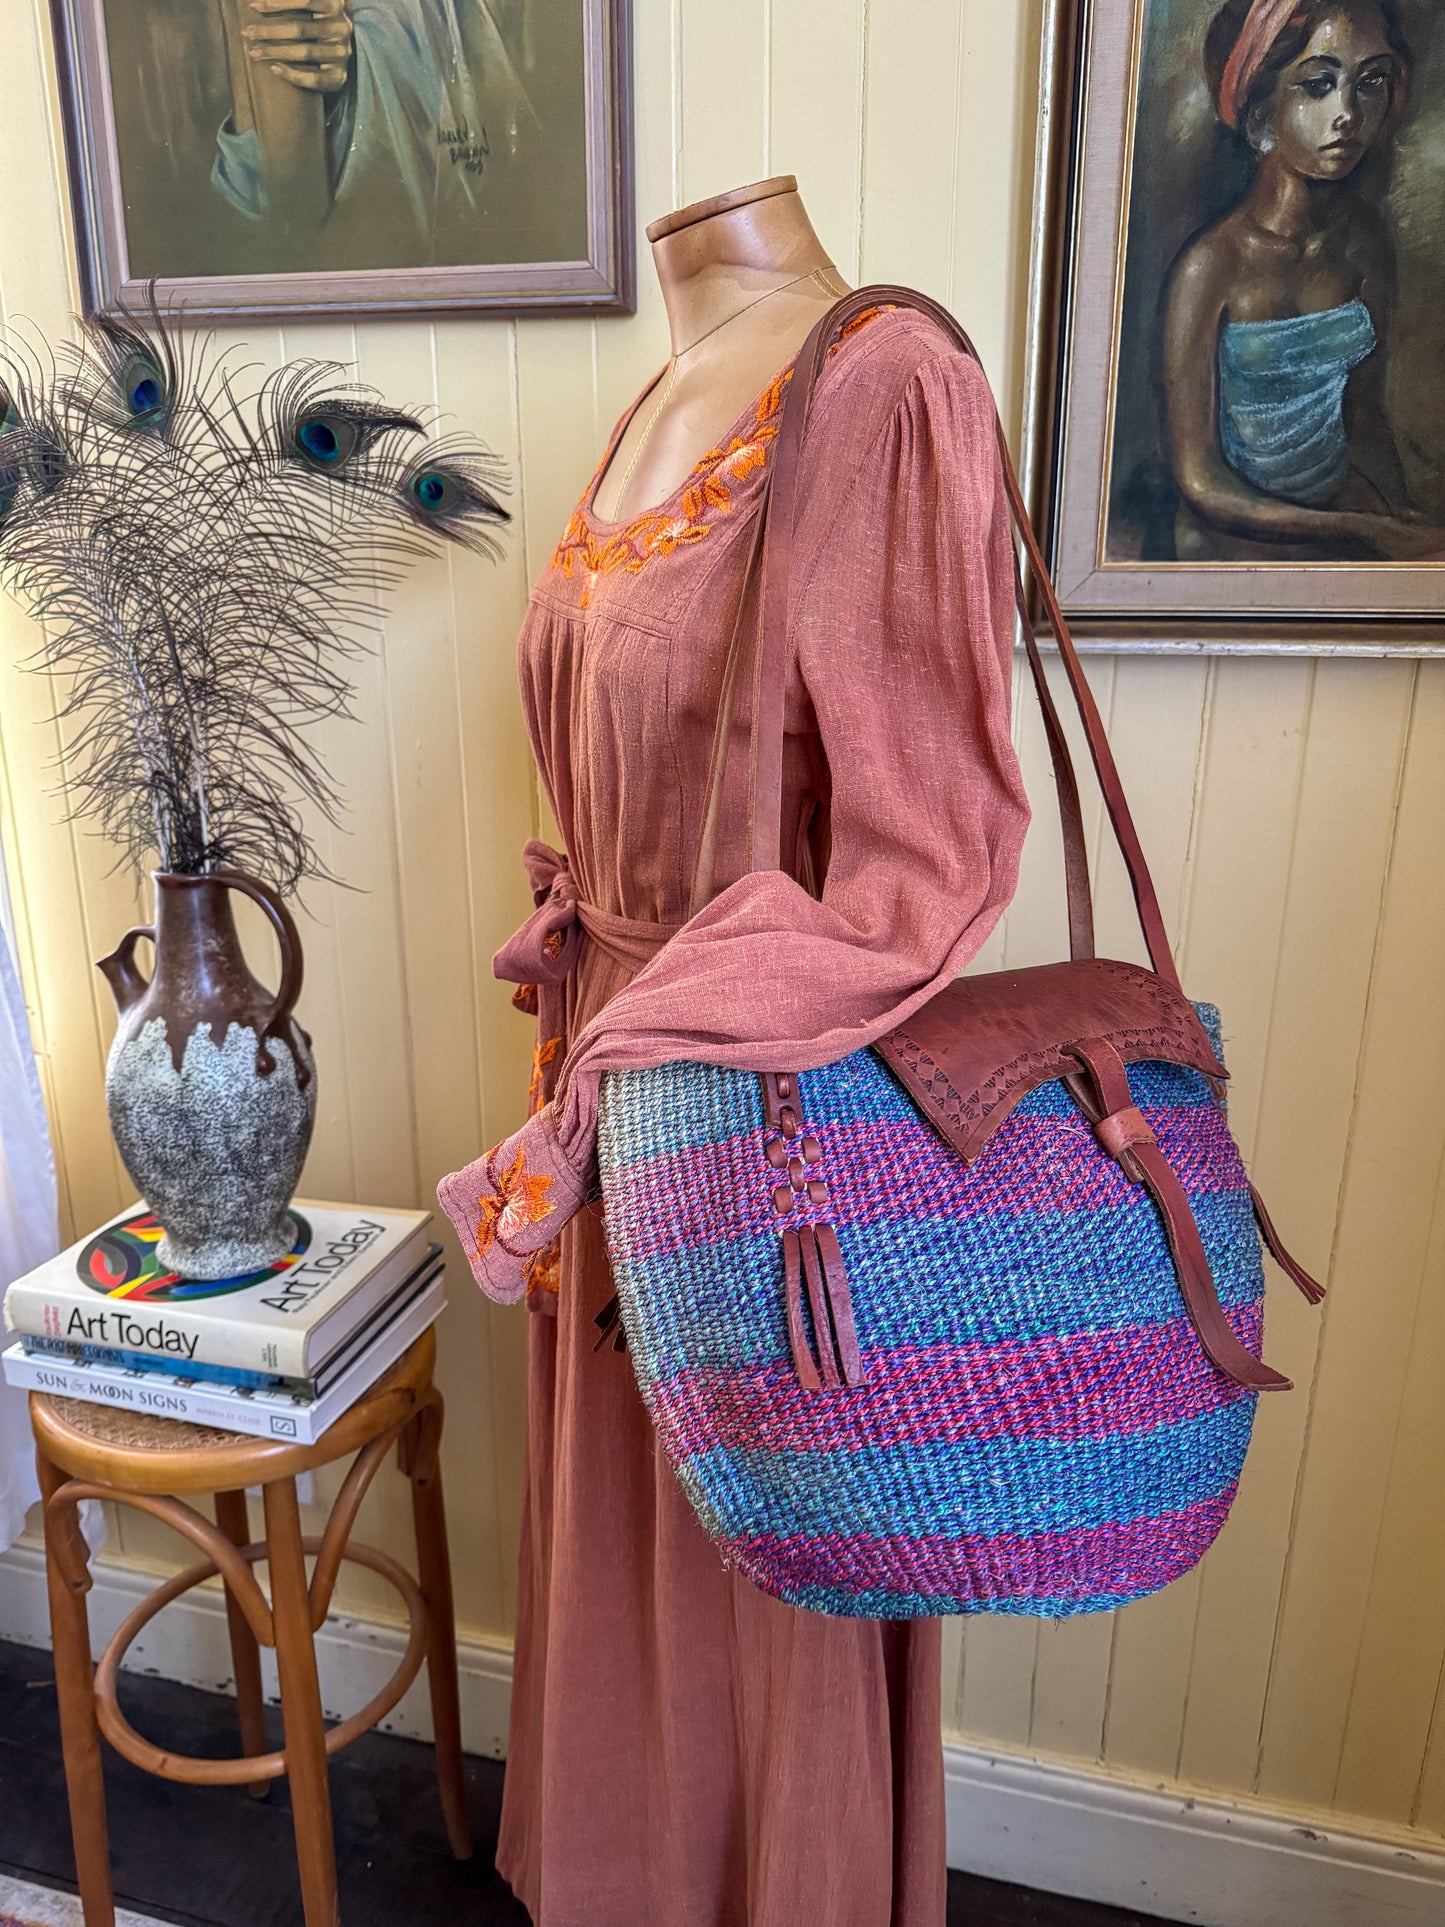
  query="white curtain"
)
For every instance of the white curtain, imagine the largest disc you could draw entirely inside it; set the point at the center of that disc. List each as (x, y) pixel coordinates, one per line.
(28, 1229)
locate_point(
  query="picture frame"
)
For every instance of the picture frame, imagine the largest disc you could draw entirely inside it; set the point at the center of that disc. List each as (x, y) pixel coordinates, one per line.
(1085, 322)
(453, 157)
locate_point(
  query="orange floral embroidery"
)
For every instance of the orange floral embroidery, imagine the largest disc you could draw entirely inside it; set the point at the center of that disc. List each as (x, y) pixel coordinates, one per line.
(709, 495)
(542, 1056)
(519, 1200)
(543, 1270)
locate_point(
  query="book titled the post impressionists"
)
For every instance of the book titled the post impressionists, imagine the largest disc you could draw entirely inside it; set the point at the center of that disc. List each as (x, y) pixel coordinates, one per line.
(111, 1290)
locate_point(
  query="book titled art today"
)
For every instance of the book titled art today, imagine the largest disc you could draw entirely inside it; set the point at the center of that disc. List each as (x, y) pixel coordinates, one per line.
(110, 1289)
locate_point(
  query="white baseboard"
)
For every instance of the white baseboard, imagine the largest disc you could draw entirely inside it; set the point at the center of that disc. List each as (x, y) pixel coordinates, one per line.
(1181, 1857)
(1039, 1823)
(189, 1643)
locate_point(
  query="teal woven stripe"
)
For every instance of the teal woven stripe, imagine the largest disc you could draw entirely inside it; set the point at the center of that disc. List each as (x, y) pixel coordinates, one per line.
(657, 1113)
(991, 1486)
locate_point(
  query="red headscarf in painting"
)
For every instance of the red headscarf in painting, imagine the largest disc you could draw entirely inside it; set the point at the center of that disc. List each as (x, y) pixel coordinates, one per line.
(1266, 21)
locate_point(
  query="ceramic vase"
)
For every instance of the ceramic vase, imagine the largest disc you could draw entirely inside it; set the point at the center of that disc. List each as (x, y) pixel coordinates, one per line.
(210, 1083)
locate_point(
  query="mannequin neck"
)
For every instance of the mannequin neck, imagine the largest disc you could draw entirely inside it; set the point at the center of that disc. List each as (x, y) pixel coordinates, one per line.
(717, 257)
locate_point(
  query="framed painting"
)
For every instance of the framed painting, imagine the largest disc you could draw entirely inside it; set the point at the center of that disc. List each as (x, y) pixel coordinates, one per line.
(281, 157)
(1237, 322)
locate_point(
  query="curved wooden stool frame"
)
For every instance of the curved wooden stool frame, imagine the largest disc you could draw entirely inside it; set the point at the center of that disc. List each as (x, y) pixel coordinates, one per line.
(403, 1409)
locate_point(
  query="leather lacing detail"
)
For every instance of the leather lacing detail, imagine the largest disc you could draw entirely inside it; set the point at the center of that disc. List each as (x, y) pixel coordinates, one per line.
(813, 1266)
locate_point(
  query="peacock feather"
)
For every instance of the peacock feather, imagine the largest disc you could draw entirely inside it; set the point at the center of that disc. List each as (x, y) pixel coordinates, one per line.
(205, 554)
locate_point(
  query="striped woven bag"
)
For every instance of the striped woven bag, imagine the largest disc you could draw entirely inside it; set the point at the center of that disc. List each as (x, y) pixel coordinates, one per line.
(969, 1321)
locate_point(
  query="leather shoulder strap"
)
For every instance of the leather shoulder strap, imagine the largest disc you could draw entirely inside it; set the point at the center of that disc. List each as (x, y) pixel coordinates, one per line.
(770, 657)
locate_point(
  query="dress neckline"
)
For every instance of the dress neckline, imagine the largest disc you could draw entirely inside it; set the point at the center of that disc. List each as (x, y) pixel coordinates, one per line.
(746, 418)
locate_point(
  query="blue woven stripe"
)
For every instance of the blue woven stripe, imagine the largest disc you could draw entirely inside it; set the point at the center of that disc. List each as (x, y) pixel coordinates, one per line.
(726, 1300)
(860, 1089)
(995, 1486)
(918, 1605)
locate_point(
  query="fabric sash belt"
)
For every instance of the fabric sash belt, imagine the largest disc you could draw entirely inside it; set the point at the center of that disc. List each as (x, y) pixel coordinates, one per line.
(544, 950)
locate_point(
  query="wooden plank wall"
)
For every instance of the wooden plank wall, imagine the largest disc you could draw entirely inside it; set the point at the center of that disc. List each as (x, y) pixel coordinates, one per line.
(1293, 811)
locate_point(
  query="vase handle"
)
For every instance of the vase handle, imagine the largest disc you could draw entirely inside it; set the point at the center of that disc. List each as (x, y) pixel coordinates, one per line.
(289, 940)
(119, 969)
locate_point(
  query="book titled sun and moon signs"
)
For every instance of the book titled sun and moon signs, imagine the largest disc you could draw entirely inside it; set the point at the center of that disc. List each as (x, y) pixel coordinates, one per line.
(281, 1350)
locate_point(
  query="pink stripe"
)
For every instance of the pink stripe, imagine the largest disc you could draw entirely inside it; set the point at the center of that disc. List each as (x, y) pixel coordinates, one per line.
(1093, 1385)
(879, 1171)
(1088, 1562)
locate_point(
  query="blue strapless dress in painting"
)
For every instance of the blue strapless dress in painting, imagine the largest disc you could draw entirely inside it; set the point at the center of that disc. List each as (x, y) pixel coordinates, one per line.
(1281, 399)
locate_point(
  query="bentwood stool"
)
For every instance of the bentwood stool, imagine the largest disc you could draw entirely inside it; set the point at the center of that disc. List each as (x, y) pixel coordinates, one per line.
(94, 1452)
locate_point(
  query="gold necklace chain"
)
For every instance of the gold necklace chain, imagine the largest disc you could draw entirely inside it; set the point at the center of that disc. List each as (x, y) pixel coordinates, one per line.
(816, 274)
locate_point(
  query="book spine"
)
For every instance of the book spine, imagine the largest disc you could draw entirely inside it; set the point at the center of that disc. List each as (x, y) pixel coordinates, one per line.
(168, 1331)
(160, 1398)
(155, 1362)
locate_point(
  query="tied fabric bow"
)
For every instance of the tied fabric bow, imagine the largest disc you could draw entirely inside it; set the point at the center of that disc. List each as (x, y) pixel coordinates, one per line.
(540, 956)
(508, 1205)
(544, 948)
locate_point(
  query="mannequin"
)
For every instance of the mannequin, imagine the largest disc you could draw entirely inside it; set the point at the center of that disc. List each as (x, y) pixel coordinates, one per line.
(744, 278)
(685, 1751)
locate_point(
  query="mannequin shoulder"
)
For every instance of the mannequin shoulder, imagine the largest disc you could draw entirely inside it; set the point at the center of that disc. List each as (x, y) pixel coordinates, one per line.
(884, 349)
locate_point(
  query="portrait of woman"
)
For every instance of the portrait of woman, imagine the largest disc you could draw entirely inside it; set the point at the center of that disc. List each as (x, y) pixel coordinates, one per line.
(1240, 419)
(1278, 314)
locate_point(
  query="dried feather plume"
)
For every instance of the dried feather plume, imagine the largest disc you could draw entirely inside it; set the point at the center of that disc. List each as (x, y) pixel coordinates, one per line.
(204, 563)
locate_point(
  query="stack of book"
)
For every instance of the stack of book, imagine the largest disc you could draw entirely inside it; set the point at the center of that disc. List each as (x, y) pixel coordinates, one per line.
(280, 1353)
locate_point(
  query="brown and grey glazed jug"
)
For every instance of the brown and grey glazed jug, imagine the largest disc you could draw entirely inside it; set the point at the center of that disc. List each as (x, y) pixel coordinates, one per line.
(210, 1085)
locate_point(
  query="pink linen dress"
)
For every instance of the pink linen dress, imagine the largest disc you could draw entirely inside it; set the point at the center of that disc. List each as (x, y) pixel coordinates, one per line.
(685, 1751)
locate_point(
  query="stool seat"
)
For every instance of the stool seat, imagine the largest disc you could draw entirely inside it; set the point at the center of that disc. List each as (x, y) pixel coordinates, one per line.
(90, 1451)
(130, 1431)
(168, 1455)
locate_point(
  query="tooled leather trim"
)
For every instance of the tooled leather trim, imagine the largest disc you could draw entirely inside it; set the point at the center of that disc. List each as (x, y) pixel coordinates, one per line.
(1030, 1067)
(968, 1115)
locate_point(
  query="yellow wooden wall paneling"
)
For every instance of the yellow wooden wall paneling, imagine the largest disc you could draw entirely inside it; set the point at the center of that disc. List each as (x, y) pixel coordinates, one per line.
(1397, 1137)
(815, 107)
(1231, 918)
(1402, 1645)
(1288, 979)
(910, 139)
(722, 101)
(1157, 729)
(1429, 1812)
(486, 1345)
(35, 300)
(997, 96)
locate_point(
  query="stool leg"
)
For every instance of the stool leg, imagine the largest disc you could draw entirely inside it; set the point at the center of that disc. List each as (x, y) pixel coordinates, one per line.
(301, 1706)
(434, 1570)
(234, 1520)
(75, 1694)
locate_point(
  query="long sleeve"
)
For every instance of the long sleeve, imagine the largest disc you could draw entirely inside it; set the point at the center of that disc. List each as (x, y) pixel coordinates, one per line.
(901, 633)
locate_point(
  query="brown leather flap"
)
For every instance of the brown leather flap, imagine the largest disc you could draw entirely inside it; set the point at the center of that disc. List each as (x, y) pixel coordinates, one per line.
(973, 1051)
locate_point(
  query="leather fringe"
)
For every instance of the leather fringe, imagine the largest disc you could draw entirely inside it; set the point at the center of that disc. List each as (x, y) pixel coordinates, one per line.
(1312, 1290)
(813, 1257)
(609, 1325)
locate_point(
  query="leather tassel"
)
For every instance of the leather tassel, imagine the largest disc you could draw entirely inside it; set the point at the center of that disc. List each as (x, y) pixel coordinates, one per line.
(818, 1302)
(609, 1325)
(793, 1297)
(1296, 1273)
(840, 1299)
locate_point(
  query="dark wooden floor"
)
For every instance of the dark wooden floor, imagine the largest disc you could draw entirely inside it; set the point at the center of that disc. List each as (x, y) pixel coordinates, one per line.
(213, 1857)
